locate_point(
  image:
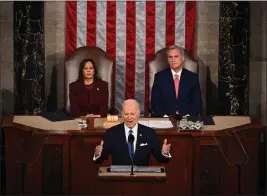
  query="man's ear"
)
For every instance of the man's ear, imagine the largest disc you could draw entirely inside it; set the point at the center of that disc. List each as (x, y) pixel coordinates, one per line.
(183, 59)
(138, 113)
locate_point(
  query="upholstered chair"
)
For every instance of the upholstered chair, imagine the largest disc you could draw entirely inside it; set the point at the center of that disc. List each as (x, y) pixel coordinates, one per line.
(160, 62)
(104, 66)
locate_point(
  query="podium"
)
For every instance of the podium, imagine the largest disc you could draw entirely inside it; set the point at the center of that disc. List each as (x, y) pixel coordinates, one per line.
(58, 160)
(105, 173)
(141, 183)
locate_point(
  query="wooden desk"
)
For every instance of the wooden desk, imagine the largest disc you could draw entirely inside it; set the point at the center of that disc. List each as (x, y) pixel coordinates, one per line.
(59, 161)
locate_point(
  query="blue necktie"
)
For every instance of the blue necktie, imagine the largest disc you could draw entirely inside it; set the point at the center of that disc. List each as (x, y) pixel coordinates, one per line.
(130, 144)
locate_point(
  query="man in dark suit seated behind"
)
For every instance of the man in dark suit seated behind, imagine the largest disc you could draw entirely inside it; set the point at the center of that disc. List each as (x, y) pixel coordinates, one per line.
(145, 142)
(176, 89)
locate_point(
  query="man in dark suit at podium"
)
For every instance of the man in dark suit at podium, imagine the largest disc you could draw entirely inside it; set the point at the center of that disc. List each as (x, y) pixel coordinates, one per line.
(143, 139)
(176, 89)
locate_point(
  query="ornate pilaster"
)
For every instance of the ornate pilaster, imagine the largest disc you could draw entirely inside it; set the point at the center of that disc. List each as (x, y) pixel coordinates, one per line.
(234, 58)
(29, 56)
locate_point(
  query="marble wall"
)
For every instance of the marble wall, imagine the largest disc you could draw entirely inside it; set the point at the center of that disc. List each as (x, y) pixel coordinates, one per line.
(207, 50)
(29, 65)
(233, 69)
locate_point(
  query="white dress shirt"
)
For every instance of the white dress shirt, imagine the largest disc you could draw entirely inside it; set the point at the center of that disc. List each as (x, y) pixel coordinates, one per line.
(134, 129)
(177, 73)
(179, 76)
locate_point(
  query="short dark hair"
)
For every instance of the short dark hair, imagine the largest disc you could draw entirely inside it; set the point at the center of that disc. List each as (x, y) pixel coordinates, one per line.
(82, 64)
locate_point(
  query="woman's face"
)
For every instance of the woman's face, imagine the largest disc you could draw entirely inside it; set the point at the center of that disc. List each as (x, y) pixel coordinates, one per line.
(88, 71)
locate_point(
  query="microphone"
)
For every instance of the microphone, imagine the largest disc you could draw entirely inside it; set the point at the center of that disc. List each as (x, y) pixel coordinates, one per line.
(178, 116)
(131, 140)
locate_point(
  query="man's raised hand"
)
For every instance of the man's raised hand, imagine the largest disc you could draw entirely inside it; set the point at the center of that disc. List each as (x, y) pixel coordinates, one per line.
(166, 147)
(99, 148)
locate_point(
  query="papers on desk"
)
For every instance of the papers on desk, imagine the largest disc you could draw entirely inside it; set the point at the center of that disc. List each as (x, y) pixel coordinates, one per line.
(149, 169)
(56, 116)
(122, 168)
(159, 124)
(127, 168)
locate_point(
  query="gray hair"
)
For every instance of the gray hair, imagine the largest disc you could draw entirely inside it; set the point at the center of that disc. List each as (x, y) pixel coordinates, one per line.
(172, 47)
(131, 101)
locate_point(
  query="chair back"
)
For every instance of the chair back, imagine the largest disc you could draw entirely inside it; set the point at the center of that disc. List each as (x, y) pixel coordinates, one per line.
(160, 62)
(104, 66)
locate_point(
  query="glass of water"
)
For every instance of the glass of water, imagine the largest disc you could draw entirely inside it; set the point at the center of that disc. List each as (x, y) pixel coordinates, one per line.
(199, 125)
(82, 123)
(183, 123)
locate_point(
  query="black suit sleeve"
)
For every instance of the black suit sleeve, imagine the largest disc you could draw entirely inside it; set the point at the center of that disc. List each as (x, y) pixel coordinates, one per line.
(156, 150)
(106, 148)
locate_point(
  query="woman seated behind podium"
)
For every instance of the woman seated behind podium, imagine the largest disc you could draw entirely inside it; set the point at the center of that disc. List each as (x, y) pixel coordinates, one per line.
(89, 94)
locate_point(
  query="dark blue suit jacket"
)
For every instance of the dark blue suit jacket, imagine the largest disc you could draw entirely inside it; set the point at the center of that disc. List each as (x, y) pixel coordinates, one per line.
(115, 144)
(163, 98)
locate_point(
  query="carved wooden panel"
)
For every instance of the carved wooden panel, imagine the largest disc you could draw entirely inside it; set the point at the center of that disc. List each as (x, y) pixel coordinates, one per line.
(52, 169)
(209, 170)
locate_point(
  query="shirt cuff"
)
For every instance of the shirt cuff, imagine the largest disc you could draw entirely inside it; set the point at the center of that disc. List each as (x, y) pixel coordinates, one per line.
(167, 156)
(94, 158)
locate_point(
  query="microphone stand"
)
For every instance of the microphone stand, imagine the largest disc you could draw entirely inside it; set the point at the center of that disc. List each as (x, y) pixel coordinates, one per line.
(132, 169)
(238, 163)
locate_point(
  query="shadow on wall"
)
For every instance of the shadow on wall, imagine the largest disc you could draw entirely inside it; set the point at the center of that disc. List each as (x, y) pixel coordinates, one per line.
(55, 91)
(7, 102)
(212, 107)
(52, 97)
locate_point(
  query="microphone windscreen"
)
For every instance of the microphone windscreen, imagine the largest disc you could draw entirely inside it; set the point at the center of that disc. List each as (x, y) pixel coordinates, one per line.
(178, 117)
